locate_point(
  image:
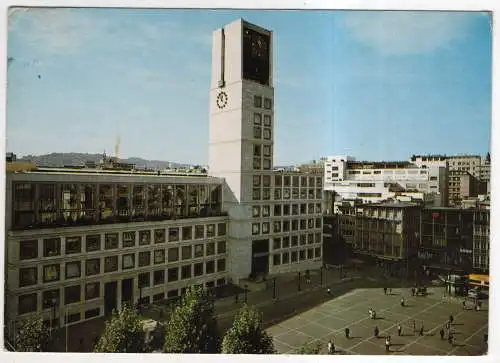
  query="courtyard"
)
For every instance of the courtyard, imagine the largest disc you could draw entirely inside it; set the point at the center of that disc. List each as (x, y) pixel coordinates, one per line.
(328, 320)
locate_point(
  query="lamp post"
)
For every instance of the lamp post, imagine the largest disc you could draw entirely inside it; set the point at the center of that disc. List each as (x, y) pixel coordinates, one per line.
(236, 297)
(274, 288)
(246, 286)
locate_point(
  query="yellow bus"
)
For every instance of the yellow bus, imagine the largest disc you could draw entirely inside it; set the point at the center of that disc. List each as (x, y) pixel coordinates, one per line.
(482, 281)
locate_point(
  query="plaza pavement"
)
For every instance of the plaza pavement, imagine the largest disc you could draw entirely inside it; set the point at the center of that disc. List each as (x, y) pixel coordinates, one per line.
(329, 319)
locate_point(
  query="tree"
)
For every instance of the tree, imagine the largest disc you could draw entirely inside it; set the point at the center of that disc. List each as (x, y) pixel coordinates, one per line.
(191, 327)
(309, 349)
(124, 333)
(33, 336)
(246, 336)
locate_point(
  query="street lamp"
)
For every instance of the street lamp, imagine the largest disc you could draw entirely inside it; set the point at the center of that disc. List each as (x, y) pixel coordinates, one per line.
(274, 288)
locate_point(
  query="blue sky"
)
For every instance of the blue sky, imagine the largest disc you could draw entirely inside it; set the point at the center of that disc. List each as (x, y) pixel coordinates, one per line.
(374, 85)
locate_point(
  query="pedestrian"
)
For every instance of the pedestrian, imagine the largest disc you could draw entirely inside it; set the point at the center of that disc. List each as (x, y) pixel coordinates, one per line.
(370, 313)
(485, 338)
(399, 330)
(414, 326)
(374, 314)
(347, 333)
(402, 301)
(463, 304)
(441, 333)
(448, 325)
(390, 290)
(412, 291)
(450, 338)
(375, 332)
(385, 290)
(330, 347)
(451, 319)
(328, 291)
(421, 333)
(387, 344)
(477, 307)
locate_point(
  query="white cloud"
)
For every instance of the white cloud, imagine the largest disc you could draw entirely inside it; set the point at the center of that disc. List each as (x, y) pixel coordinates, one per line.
(402, 32)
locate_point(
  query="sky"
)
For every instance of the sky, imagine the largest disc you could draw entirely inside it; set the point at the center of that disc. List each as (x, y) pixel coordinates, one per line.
(376, 85)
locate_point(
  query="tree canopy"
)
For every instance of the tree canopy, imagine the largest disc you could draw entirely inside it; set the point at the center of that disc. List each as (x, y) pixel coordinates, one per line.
(33, 336)
(246, 336)
(191, 327)
(124, 333)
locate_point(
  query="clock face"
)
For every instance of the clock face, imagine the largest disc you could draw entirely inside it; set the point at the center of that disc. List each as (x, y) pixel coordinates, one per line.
(222, 100)
(256, 63)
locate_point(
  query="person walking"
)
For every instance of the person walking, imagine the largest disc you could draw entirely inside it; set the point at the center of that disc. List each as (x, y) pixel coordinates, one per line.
(375, 332)
(450, 338)
(387, 344)
(451, 319)
(421, 333)
(399, 330)
(330, 347)
(463, 305)
(414, 326)
(441, 333)
(412, 291)
(390, 290)
(347, 332)
(402, 301)
(385, 290)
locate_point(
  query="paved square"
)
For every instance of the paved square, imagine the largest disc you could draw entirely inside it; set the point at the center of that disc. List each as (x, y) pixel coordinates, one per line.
(328, 321)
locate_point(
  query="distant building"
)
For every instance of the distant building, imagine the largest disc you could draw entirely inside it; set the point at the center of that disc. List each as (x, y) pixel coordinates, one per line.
(462, 185)
(10, 157)
(481, 241)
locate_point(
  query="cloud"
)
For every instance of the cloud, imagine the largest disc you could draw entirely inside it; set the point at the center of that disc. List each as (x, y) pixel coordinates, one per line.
(402, 32)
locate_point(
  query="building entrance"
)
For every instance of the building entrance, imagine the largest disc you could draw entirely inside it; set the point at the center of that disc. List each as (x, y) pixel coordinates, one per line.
(260, 257)
(110, 297)
(128, 292)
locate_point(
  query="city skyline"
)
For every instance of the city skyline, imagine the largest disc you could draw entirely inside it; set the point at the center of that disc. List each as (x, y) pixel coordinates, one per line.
(106, 69)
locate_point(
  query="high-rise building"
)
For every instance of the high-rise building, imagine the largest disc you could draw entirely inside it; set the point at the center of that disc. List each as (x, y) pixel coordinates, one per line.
(276, 221)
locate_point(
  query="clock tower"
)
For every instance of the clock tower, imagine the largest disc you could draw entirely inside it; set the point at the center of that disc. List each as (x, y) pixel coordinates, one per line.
(242, 128)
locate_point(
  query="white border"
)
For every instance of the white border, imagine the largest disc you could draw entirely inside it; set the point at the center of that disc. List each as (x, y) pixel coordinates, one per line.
(494, 337)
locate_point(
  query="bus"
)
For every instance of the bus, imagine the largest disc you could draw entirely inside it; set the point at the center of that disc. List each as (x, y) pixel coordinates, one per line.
(478, 285)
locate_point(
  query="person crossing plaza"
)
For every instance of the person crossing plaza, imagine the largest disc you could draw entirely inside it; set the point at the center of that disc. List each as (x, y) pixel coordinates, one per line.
(421, 332)
(400, 329)
(412, 291)
(451, 319)
(387, 343)
(347, 332)
(402, 301)
(375, 332)
(331, 347)
(441, 333)
(385, 290)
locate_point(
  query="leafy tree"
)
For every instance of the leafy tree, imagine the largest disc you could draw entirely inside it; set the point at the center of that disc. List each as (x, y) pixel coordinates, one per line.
(124, 333)
(309, 349)
(246, 336)
(191, 327)
(33, 336)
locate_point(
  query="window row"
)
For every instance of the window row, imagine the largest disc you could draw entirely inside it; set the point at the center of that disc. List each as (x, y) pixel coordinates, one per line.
(28, 249)
(257, 102)
(28, 276)
(259, 119)
(296, 256)
(73, 294)
(287, 225)
(53, 204)
(262, 133)
(259, 163)
(279, 194)
(296, 240)
(298, 180)
(284, 210)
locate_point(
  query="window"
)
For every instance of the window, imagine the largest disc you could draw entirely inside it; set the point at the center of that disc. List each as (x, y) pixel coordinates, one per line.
(159, 297)
(266, 180)
(144, 238)
(277, 226)
(268, 104)
(28, 249)
(210, 249)
(73, 318)
(199, 231)
(173, 274)
(92, 290)
(310, 238)
(210, 230)
(221, 229)
(267, 133)
(317, 252)
(173, 254)
(210, 267)
(144, 258)
(295, 240)
(256, 180)
(294, 256)
(265, 227)
(277, 180)
(92, 313)
(318, 222)
(128, 261)
(255, 228)
(221, 265)
(187, 233)
(267, 120)
(256, 194)
(286, 241)
(93, 243)
(256, 163)
(92, 267)
(256, 211)
(267, 150)
(257, 118)
(257, 101)
(27, 303)
(285, 258)
(266, 164)
(276, 243)
(310, 254)
(286, 193)
(257, 132)
(159, 235)
(286, 225)
(266, 194)
(28, 276)
(71, 294)
(186, 272)
(51, 273)
(303, 239)
(295, 225)
(110, 241)
(266, 211)
(198, 269)
(276, 259)
(73, 245)
(110, 264)
(187, 252)
(143, 280)
(159, 256)
(73, 269)
(302, 255)
(303, 224)
(221, 247)
(198, 250)
(128, 239)
(173, 234)
(51, 247)
(50, 299)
